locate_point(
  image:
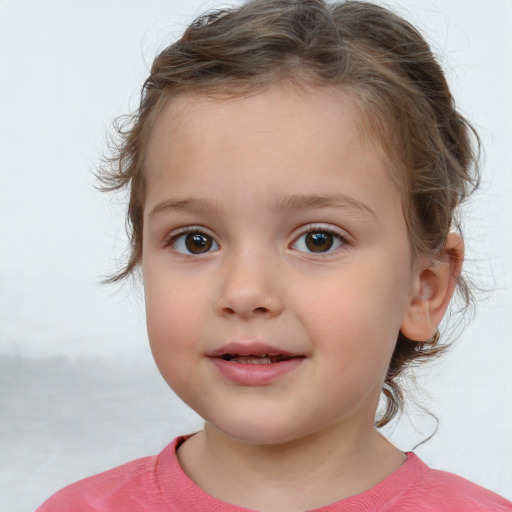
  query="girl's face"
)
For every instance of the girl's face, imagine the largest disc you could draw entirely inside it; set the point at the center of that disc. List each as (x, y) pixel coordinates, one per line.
(276, 262)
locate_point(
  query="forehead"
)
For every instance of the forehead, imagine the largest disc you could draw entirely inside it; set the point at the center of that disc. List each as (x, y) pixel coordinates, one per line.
(297, 139)
(320, 108)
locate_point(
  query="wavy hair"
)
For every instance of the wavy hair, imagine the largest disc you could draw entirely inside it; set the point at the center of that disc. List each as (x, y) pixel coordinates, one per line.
(372, 53)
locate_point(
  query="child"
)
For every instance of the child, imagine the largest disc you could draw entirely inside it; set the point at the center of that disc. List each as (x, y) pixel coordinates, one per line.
(294, 172)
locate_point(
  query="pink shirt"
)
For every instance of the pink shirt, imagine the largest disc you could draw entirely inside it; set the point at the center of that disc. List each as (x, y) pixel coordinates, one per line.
(158, 484)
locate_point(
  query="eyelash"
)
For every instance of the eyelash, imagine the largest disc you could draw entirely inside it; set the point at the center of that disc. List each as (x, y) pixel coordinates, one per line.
(175, 236)
(319, 228)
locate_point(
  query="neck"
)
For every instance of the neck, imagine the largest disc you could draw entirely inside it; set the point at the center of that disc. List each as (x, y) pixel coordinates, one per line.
(306, 473)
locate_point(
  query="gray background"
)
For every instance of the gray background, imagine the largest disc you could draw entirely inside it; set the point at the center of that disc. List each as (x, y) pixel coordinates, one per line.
(78, 389)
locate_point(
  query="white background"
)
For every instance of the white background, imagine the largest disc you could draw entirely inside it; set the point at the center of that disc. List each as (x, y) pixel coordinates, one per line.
(78, 392)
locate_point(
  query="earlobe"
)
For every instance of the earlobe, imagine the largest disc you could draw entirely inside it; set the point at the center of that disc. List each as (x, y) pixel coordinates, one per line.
(432, 290)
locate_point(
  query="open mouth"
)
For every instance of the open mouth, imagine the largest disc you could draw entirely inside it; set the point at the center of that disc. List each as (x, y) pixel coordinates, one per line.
(256, 359)
(254, 363)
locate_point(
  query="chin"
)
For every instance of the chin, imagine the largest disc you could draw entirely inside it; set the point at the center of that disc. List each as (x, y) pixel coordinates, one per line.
(259, 431)
(260, 438)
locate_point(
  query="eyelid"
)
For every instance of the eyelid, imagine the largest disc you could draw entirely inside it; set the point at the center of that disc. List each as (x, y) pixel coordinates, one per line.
(321, 226)
(186, 229)
(325, 228)
(174, 235)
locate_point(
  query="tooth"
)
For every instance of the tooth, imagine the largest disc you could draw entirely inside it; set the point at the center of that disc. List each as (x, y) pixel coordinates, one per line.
(251, 360)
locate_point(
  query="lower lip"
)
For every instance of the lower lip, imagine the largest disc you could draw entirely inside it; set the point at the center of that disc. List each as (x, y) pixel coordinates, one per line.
(247, 374)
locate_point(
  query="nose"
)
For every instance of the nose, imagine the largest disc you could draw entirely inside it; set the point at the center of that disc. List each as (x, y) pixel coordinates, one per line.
(249, 287)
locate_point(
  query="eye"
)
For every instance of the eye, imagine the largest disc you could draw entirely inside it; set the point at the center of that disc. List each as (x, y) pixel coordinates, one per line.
(318, 241)
(193, 242)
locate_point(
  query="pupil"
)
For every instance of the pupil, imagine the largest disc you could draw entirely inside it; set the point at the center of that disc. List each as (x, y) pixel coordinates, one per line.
(319, 242)
(198, 243)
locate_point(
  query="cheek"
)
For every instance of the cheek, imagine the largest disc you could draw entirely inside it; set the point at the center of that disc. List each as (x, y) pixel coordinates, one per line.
(174, 316)
(172, 331)
(356, 319)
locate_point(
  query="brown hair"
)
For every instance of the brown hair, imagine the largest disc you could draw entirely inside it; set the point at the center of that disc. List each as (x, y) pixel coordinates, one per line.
(369, 51)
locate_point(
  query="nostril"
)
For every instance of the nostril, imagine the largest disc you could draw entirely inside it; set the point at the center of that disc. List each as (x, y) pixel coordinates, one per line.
(233, 311)
(247, 305)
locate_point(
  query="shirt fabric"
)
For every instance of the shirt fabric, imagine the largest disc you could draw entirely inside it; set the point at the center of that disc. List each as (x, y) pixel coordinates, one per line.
(158, 484)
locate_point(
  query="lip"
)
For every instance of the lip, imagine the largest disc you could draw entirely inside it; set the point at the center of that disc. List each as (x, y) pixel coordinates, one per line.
(250, 349)
(253, 374)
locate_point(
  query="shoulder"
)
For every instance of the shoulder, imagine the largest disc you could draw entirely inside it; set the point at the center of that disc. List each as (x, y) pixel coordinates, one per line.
(134, 486)
(446, 492)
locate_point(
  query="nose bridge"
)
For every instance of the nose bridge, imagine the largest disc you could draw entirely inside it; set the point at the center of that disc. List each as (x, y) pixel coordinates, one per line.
(248, 284)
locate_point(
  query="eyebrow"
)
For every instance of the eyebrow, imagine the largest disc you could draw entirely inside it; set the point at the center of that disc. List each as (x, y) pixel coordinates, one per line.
(183, 205)
(314, 201)
(286, 203)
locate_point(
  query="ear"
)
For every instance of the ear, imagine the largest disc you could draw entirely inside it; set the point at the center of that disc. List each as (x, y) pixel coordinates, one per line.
(431, 290)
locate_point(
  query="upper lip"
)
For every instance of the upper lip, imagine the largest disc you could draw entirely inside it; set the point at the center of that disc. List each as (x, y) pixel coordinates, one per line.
(250, 349)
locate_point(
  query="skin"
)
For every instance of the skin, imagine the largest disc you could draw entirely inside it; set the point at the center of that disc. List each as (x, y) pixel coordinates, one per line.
(230, 167)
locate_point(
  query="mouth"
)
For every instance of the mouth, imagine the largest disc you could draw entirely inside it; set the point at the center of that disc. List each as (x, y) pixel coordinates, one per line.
(256, 359)
(255, 353)
(254, 363)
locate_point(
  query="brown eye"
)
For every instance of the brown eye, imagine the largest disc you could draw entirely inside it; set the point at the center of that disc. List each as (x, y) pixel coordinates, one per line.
(319, 242)
(198, 243)
(194, 243)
